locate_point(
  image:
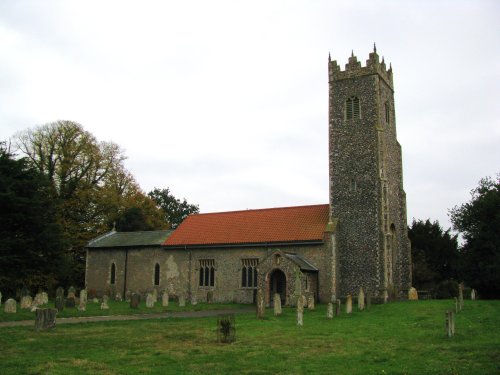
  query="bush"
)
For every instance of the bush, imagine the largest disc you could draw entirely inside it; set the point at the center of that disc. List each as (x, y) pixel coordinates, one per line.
(446, 289)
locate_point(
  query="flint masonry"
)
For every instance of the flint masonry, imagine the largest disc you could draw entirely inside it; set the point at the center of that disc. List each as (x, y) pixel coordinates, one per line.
(358, 239)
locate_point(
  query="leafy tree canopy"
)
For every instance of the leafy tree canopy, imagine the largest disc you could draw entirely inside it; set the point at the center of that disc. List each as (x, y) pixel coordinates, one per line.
(175, 209)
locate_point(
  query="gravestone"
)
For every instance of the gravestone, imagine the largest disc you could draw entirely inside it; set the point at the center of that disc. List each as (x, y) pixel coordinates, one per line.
(104, 304)
(95, 300)
(226, 329)
(210, 297)
(82, 306)
(71, 301)
(194, 300)
(150, 302)
(337, 308)
(60, 292)
(164, 299)
(182, 301)
(348, 304)
(59, 303)
(37, 301)
(261, 308)
(135, 299)
(26, 302)
(361, 299)
(71, 292)
(329, 311)
(300, 312)
(10, 306)
(118, 297)
(45, 319)
(472, 295)
(128, 295)
(310, 303)
(45, 298)
(83, 296)
(450, 323)
(277, 304)
(412, 294)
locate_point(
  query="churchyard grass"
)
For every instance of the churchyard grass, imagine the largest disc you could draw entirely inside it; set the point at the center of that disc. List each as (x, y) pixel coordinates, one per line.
(397, 338)
(115, 308)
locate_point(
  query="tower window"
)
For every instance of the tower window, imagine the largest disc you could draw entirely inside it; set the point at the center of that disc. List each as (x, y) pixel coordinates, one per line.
(207, 272)
(387, 113)
(112, 276)
(352, 110)
(157, 274)
(249, 273)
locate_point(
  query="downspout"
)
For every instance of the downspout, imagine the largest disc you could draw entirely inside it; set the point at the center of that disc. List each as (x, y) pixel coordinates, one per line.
(125, 274)
(189, 274)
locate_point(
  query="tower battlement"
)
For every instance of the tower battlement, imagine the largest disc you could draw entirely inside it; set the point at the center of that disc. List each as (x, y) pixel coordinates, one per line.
(354, 69)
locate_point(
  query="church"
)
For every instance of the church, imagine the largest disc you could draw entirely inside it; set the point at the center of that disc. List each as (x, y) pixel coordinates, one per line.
(357, 239)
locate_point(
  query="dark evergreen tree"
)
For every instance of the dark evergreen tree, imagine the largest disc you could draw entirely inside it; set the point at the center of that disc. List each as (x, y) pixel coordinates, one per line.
(133, 219)
(479, 223)
(175, 209)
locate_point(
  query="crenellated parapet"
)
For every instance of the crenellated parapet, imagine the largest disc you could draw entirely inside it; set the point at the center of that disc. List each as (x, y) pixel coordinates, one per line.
(353, 68)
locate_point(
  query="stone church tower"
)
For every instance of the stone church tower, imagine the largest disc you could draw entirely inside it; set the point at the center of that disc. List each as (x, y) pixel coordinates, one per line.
(367, 200)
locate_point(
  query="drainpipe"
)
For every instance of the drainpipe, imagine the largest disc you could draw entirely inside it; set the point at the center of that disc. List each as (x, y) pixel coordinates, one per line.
(125, 274)
(189, 273)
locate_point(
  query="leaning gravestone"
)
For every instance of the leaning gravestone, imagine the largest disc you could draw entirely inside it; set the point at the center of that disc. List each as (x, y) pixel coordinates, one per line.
(300, 311)
(182, 301)
(337, 308)
(348, 304)
(135, 299)
(226, 329)
(412, 294)
(104, 304)
(260, 304)
(45, 319)
(26, 302)
(164, 299)
(59, 303)
(277, 304)
(329, 311)
(361, 299)
(310, 303)
(10, 306)
(150, 302)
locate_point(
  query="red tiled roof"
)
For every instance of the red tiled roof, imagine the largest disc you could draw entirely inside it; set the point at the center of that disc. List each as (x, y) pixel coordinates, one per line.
(286, 224)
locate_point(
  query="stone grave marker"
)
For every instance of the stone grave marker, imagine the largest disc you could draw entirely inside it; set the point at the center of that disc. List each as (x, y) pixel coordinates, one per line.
(310, 303)
(128, 295)
(261, 308)
(226, 328)
(45, 298)
(450, 323)
(118, 297)
(60, 292)
(135, 299)
(26, 302)
(210, 297)
(150, 302)
(300, 312)
(194, 300)
(337, 308)
(45, 319)
(71, 292)
(59, 303)
(38, 300)
(82, 306)
(10, 306)
(329, 310)
(472, 295)
(412, 294)
(164, 299)
(277, 304)
(83, 296)
(182, 301)
(104, 304)
(361, 299)
(348, 304)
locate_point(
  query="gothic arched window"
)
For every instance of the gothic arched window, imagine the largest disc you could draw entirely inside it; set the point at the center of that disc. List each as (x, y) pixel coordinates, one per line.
(352, 109)
(112, 272)
(157, 274)
(207, 272)
(387, 113)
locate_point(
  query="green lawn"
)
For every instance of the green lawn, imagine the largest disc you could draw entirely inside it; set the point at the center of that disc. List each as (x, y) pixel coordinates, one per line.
(398, 338)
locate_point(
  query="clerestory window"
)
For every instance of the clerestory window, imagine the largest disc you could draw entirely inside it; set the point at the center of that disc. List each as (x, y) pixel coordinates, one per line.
(352, 109)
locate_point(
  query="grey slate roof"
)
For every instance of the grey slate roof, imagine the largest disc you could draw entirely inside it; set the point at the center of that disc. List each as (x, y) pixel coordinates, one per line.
(130, 239)
(301, 262)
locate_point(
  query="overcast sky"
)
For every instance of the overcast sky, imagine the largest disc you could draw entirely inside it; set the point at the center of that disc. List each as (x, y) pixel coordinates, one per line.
(226, 102)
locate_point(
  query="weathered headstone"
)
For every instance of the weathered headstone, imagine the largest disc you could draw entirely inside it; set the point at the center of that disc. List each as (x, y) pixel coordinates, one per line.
(310, 303)
(300, 311)
(450, 323)
(261, 308)
(83, 296)
(412, 294)
(472, 295)
(361, 299)
(45, 298)
(194, 300)
(210, 297)
(128, 295)
(182, 301)
(82, 306)
(164, 299)
(135, 299)
(45, 319)
(38, 300)
(71, 292)
(95, 300)
(460, 296)
(26, 302)
(10, 306)
(277, 304)
(104, 304)
(226, 329)
(329, 310)
(348, 304)
(150, 302)
(118, 297)
(59, 303)
(337, 308)
(60, 292)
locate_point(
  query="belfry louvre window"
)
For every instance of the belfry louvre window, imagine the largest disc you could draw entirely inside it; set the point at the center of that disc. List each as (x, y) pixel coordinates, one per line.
(249, 273)
(207, 272)
(352, 110)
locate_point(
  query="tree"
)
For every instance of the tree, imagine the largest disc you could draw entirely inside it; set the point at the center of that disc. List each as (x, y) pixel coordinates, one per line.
(434, 254)
(175, 210)
(32, 245)
(479, 223)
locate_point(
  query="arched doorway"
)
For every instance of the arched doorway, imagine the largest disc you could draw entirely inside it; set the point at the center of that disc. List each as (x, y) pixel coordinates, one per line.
(277, 284)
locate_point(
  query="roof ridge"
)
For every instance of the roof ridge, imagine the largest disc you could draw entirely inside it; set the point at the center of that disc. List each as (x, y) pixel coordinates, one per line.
(263, 209)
